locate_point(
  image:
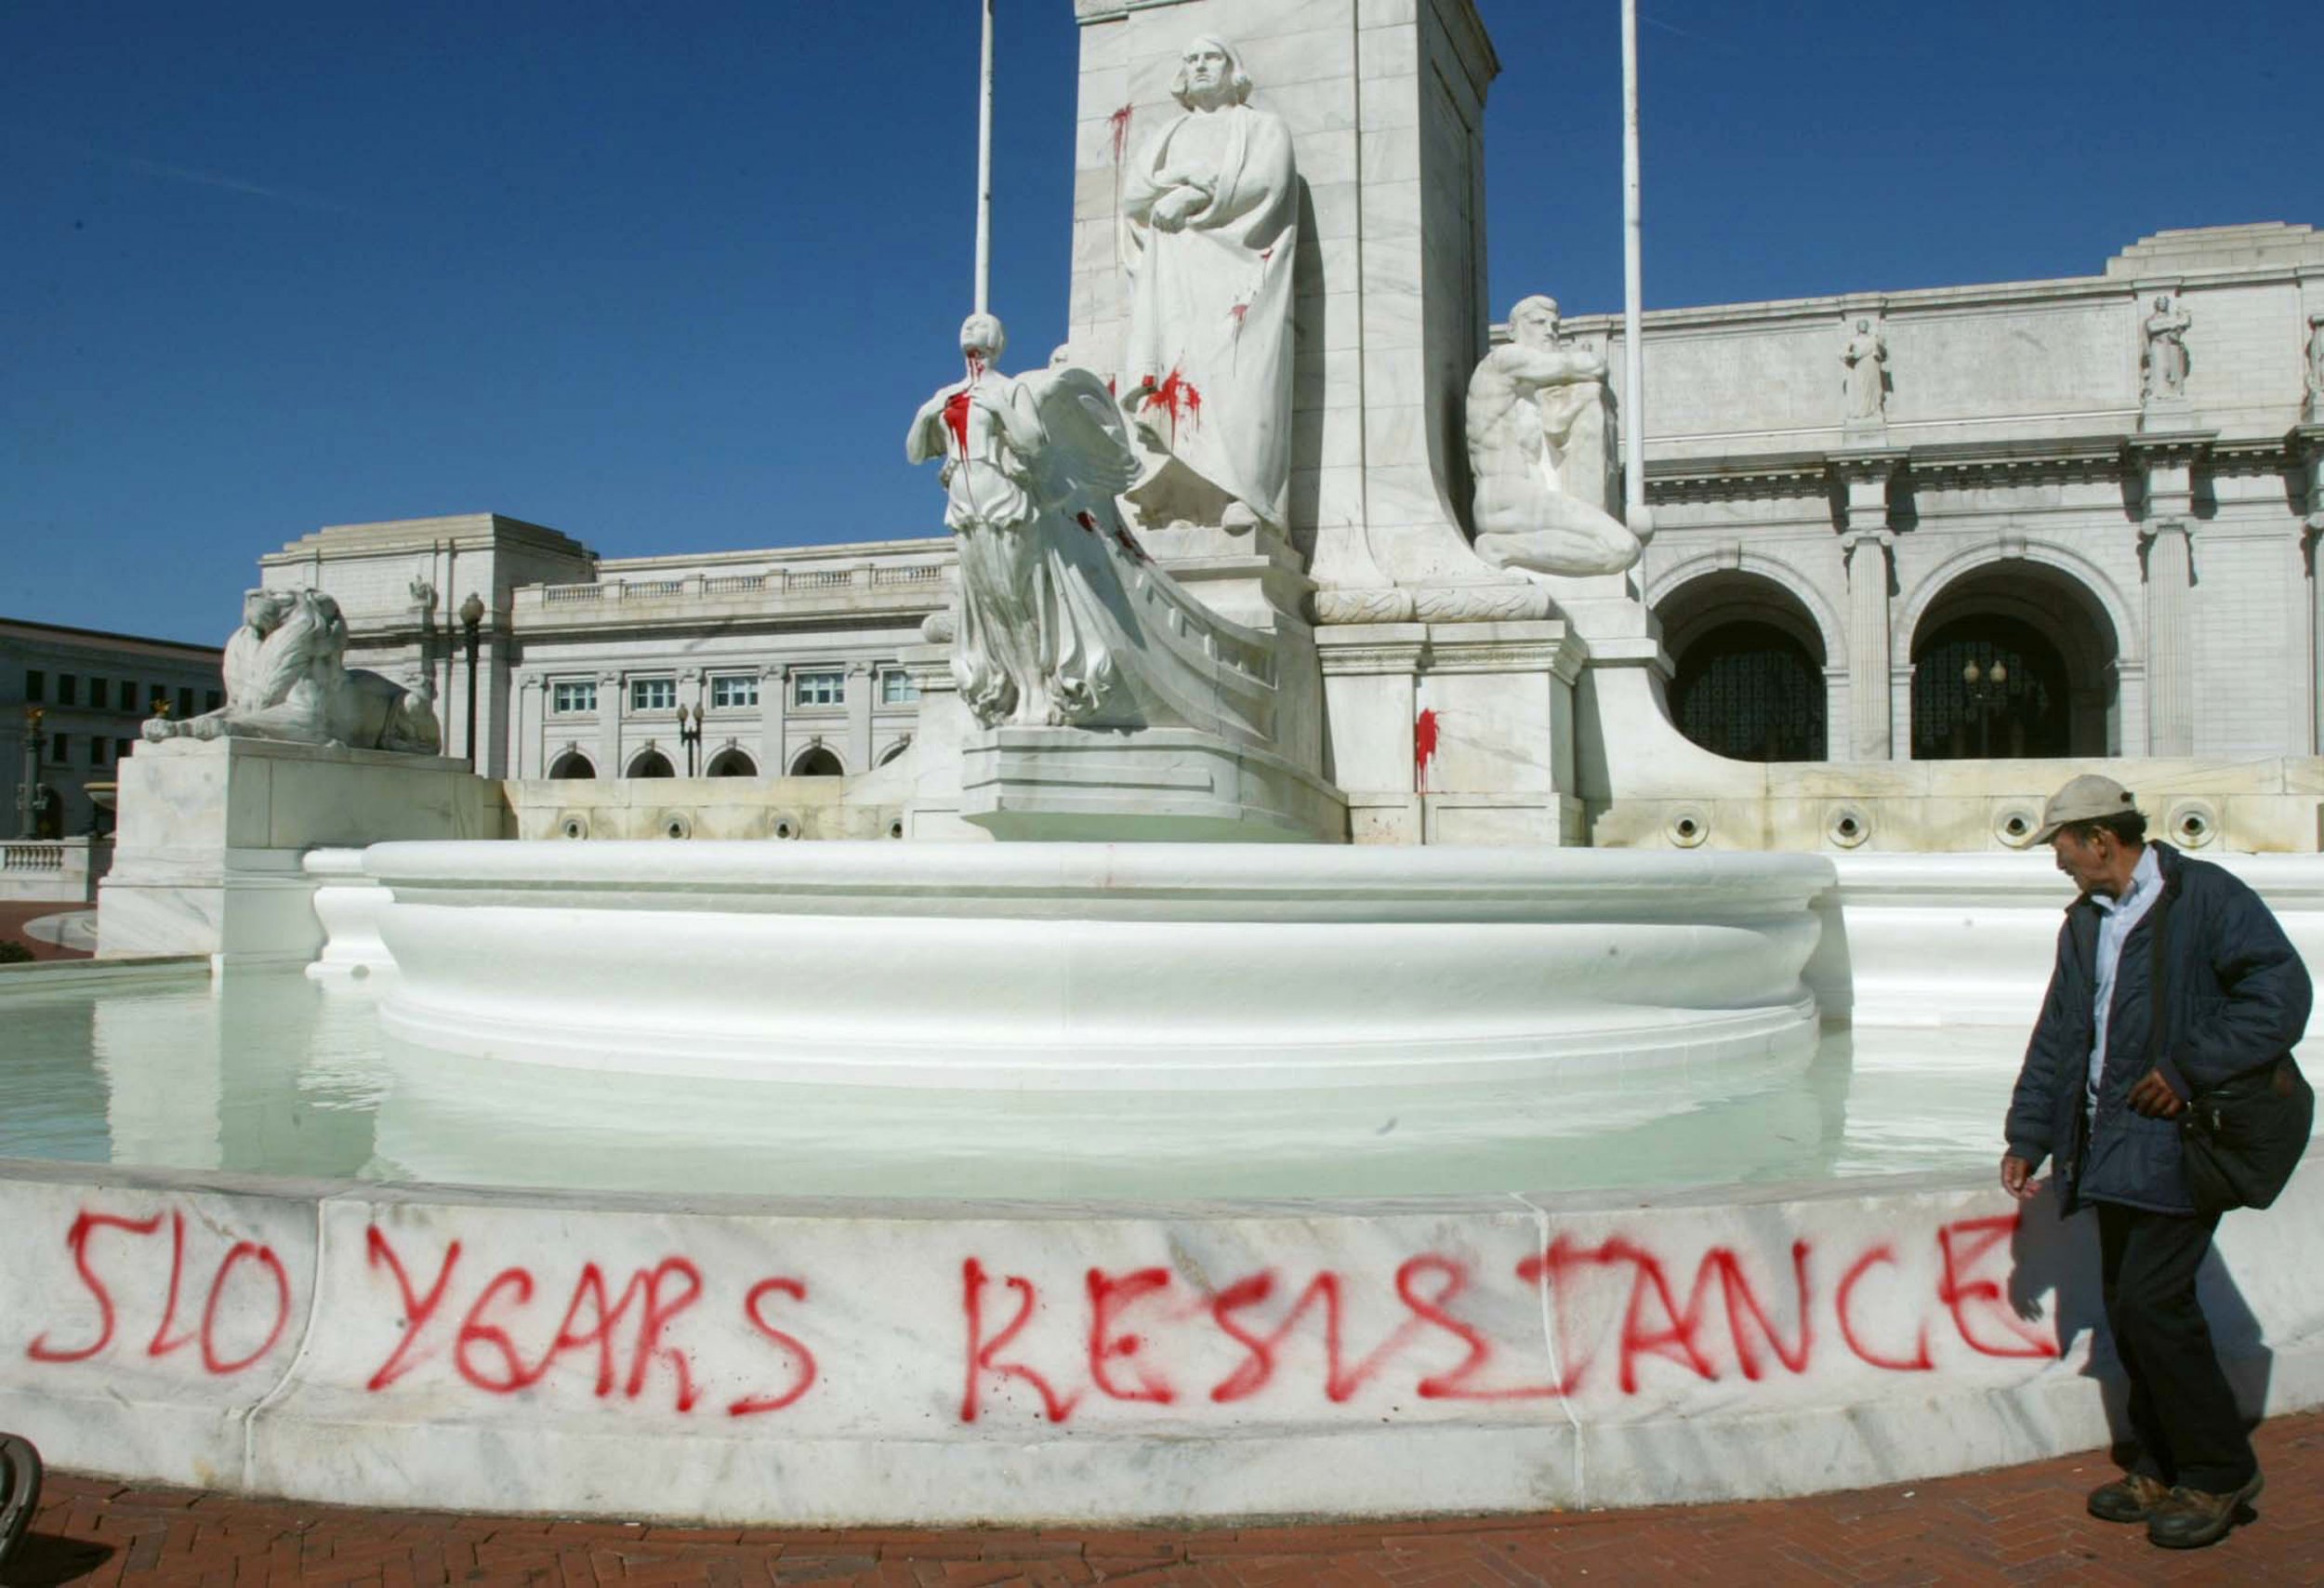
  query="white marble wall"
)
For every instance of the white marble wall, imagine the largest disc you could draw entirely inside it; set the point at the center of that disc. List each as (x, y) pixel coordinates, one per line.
(833, 1363)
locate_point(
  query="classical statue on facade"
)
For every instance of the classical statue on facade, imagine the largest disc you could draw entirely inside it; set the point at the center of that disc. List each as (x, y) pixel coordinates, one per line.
(1061, 618)
(2164, 364)
(286, 679)
(1210, 206)
(2316, 365)
(1537, 447)
(1863, 374)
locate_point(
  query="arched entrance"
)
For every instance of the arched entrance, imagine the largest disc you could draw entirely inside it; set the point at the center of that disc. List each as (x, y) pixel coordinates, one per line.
(731, 763)
(2013, 661)
(1749, 679)
(653, 763)
(571, 765)
(817, 762)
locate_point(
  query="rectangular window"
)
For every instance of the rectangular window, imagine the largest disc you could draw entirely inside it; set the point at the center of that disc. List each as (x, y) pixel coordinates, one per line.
(59, 748)
(121, 748)
(157, 699)
(36, 687)
(568, 695)
(96, 749)
(209, 700)
(652, 695)
(185, 704)
(819, 689)
(733, 688)
(897, 689)
(96, 693)
(68, 689)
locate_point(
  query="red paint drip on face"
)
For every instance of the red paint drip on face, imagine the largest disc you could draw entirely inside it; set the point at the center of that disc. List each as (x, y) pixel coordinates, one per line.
(1178, 396)
(1424, 745)
(1120, 121)
(957, 421)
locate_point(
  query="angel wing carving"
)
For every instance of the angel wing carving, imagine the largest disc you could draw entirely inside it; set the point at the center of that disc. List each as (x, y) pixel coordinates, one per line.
(1087, 460)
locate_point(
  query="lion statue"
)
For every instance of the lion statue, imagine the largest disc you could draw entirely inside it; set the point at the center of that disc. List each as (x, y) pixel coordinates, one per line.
(286, 679)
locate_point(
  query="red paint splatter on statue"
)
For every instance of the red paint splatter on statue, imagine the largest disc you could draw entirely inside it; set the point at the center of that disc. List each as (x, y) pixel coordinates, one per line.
(957, 421)
(1086, 522)
(1423, 745)
(1130, 544)
(1178, 397)
(1119, 122)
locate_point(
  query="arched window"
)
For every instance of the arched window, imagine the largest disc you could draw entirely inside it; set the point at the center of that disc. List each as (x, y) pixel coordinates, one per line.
(817, 762)
(653, 763)
(1988, 687)
(1749, 677)
(730, 762)
(572, 764)
(2055, 651)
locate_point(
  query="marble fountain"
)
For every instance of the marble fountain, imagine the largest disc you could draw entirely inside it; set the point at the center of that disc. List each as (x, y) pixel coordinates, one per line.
(1172, 1156)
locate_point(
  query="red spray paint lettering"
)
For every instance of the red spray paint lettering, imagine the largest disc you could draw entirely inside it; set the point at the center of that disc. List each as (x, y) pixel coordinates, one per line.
(984, 1354)
(87, 1224)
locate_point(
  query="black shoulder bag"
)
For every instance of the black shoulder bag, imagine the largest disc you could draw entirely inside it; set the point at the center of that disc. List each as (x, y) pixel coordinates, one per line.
(2239, 1141)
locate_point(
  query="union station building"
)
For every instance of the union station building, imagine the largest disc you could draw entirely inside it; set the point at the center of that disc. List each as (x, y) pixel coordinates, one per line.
(2028, 540)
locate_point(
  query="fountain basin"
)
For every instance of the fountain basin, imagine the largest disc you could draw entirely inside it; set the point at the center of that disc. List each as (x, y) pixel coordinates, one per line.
(1098, 967)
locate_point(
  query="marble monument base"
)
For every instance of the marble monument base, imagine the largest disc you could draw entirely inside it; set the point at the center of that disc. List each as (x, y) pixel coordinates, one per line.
(1157, 785)
(209, 853)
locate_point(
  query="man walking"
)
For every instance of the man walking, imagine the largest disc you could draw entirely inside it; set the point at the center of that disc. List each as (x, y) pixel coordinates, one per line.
(2111, 1067)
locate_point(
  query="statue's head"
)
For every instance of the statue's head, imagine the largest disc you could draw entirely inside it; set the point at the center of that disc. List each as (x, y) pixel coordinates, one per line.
(2162, 305)
(982, 337)
(263, 610)
(1210, 75)
(1863, 326)
(1534, 320)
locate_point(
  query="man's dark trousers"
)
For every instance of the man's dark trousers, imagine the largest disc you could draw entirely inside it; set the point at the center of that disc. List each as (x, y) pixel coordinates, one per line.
(2182, 1412)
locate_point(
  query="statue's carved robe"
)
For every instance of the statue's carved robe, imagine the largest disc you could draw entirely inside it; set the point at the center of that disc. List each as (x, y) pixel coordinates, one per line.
(1209, 333)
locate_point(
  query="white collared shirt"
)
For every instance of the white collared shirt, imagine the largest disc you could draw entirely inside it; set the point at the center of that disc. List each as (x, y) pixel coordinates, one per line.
(2116, 918)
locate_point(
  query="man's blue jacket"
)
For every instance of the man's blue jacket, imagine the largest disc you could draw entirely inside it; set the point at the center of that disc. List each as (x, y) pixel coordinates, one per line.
(2237, 998)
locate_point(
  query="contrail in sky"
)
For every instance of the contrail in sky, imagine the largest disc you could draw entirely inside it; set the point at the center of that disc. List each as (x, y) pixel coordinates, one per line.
(202, 178)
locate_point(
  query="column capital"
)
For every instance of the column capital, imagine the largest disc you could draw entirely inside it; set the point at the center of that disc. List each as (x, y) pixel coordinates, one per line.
(1851, 540)
(2154, 529)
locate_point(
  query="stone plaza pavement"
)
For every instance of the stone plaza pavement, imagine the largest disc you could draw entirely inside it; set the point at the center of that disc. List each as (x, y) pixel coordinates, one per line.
(2021, 1525)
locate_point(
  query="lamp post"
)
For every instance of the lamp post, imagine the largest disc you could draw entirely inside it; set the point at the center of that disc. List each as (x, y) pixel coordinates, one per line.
(690, 735)
(1988, 692)
(471, 617)
(28, 801)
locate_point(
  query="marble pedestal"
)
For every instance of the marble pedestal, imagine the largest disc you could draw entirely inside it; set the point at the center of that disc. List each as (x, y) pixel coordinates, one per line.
(209, 851)
(1168, 785)
(1454, 732)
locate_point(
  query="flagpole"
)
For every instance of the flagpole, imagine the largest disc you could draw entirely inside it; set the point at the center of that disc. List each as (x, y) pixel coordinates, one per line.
(984, 172)
(1633, 346)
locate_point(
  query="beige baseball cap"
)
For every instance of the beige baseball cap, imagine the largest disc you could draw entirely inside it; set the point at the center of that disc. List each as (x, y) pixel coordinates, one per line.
(2085, 799)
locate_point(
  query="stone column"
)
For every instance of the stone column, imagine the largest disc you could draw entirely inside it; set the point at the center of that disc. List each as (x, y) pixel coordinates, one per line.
(529, 753)
(771, 702)
(1868, 554)
(2170, 653)
(609, 713)
(1866, 540)
(858, 717)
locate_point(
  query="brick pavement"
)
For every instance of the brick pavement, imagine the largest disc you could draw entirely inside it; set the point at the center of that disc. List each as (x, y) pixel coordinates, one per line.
(14, 913)
(2020, 1526)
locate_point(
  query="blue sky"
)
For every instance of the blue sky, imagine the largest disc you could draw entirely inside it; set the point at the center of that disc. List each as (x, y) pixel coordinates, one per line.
(673, 278)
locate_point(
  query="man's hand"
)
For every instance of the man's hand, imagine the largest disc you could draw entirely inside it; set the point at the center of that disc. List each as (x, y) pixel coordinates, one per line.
(1171, 210)
(2153, 1097)
(2017, 1178)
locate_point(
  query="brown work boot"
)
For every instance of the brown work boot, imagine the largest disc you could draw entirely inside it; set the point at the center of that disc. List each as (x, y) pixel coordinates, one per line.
(2129, 1497)
(2193, 1517)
